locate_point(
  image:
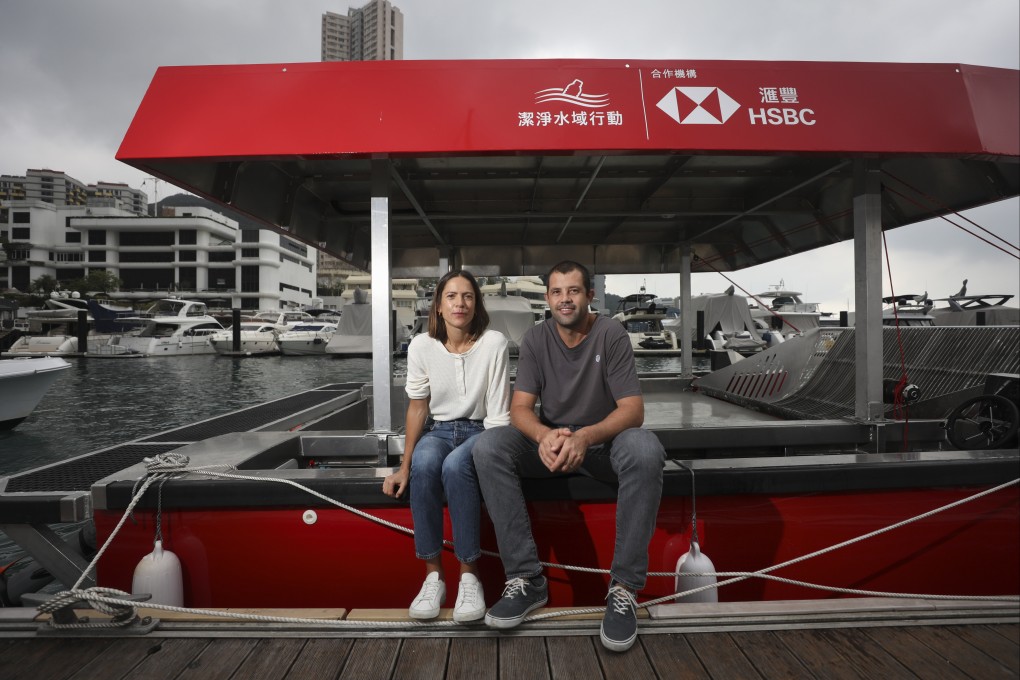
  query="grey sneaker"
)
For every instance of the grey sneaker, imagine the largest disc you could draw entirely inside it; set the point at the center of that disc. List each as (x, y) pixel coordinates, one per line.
(619, 624)
(520, 597)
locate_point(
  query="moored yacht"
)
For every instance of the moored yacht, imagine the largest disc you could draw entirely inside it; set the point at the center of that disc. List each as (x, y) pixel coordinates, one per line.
(306, 339)
(530, 288)
(643, 320)
(170, 327)
(257, 338)
(404, 295)
(962, 309)
(785, 311)
(54, 329)
(511, 315)
(353, 335)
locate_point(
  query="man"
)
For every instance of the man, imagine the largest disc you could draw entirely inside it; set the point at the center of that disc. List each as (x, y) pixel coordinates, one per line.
(582, 367)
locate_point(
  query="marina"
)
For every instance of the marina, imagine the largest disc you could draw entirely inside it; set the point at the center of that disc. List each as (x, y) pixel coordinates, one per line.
(816, 458)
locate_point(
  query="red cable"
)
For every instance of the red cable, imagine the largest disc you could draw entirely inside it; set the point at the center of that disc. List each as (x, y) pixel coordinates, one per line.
(900, 410)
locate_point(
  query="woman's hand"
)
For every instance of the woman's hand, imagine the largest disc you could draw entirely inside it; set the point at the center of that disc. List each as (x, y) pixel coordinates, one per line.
(395, 484)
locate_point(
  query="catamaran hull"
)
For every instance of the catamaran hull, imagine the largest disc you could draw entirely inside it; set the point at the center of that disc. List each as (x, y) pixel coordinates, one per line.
(282, 557)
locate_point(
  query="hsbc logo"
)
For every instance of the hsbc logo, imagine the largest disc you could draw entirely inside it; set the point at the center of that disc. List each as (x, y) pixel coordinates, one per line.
(698, 105)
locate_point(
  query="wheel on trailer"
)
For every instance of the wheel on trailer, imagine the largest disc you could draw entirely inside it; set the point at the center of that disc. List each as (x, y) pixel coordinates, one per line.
(984, 422)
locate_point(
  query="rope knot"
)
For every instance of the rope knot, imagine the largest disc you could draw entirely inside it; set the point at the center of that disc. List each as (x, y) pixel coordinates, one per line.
(165, 462)
(99, 599)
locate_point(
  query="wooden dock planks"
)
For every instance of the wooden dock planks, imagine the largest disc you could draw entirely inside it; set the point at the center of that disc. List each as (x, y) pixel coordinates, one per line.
(936, 652)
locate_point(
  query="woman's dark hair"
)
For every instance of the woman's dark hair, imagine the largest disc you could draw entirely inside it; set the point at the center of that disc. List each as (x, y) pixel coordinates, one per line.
(437, 329)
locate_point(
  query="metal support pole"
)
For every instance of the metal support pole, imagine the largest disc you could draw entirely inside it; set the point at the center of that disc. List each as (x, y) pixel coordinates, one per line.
(686, 314)
(867, 206)
(382, 301)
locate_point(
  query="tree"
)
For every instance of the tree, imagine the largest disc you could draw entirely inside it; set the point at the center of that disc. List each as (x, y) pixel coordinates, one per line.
(97, 281)
(44, 285)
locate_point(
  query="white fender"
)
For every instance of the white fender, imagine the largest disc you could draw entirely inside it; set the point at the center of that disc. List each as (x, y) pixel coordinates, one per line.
(695, 562)
(159, 574)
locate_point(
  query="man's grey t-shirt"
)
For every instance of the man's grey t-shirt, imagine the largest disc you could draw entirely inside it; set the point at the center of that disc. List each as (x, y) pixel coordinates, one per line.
(580, 385)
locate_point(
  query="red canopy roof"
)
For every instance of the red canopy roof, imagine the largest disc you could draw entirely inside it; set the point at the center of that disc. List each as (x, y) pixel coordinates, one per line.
(745, 161)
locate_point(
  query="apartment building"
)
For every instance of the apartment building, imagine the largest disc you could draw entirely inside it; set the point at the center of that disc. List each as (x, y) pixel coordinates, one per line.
(58, 188)
(374, 32)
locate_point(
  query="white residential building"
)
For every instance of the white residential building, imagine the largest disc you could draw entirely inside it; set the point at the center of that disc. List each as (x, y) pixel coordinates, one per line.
(192, 252)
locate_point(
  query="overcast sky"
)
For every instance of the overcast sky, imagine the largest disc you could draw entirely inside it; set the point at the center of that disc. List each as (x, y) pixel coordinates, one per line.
(73, 72)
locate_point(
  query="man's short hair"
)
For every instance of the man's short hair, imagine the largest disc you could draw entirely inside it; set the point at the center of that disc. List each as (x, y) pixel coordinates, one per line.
(567, 266)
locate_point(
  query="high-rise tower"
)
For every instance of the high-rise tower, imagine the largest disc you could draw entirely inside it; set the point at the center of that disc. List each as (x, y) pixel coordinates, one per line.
(370, 33)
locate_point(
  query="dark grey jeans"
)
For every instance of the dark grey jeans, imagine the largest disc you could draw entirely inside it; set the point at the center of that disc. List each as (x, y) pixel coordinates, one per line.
(634, 459)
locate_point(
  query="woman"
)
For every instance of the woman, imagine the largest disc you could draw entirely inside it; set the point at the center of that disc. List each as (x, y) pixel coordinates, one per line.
(458, 372)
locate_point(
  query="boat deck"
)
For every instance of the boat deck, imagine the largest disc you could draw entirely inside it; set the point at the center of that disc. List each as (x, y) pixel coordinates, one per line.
(821, 639)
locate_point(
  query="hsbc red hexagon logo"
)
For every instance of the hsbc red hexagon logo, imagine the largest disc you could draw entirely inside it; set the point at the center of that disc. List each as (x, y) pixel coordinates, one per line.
(698, 105)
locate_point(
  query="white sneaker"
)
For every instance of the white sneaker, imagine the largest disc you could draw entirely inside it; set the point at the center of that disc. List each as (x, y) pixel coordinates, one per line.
(470, 600)
(430, 598)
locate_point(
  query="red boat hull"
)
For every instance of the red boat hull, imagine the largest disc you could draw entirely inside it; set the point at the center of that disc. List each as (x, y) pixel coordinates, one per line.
(257, 557)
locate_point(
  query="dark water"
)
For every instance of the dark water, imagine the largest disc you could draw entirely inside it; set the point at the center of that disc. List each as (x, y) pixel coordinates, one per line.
(101, 402)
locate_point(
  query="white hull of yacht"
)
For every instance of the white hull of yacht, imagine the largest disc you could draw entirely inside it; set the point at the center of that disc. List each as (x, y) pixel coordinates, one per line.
(23, 382)
(303, 347)
(350, 345)
(158, 347)
(249, 346)
(43, 345)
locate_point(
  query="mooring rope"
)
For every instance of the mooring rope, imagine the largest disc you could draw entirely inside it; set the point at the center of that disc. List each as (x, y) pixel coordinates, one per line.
(168, 465)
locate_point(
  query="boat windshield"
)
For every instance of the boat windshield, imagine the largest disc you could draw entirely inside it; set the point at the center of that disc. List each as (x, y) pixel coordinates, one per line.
(642, 325)
(164, 308)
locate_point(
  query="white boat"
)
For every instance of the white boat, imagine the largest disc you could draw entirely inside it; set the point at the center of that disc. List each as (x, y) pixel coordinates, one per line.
(975, 310)
(404, 294)
(903, 310)
(786, 312)
(307, 339)
(511, 315)
(62, 306)
(643, 319)
(256, 339)
(353, 336)
(23, 382)
(530, 288)
(170, 327)
(284, 318)
(58, 344)
(51, 328)
(728, 325)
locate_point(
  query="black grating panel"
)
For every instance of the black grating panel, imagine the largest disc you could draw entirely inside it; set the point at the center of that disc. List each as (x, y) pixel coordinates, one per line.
(247, 419)
(941, 359)
(79, 474)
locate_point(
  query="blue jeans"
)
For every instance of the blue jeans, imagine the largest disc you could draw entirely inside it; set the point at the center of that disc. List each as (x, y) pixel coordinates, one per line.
(442, 465)
(634, 460)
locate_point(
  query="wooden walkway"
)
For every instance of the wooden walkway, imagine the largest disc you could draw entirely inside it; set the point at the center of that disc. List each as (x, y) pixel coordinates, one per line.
(980, 652)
